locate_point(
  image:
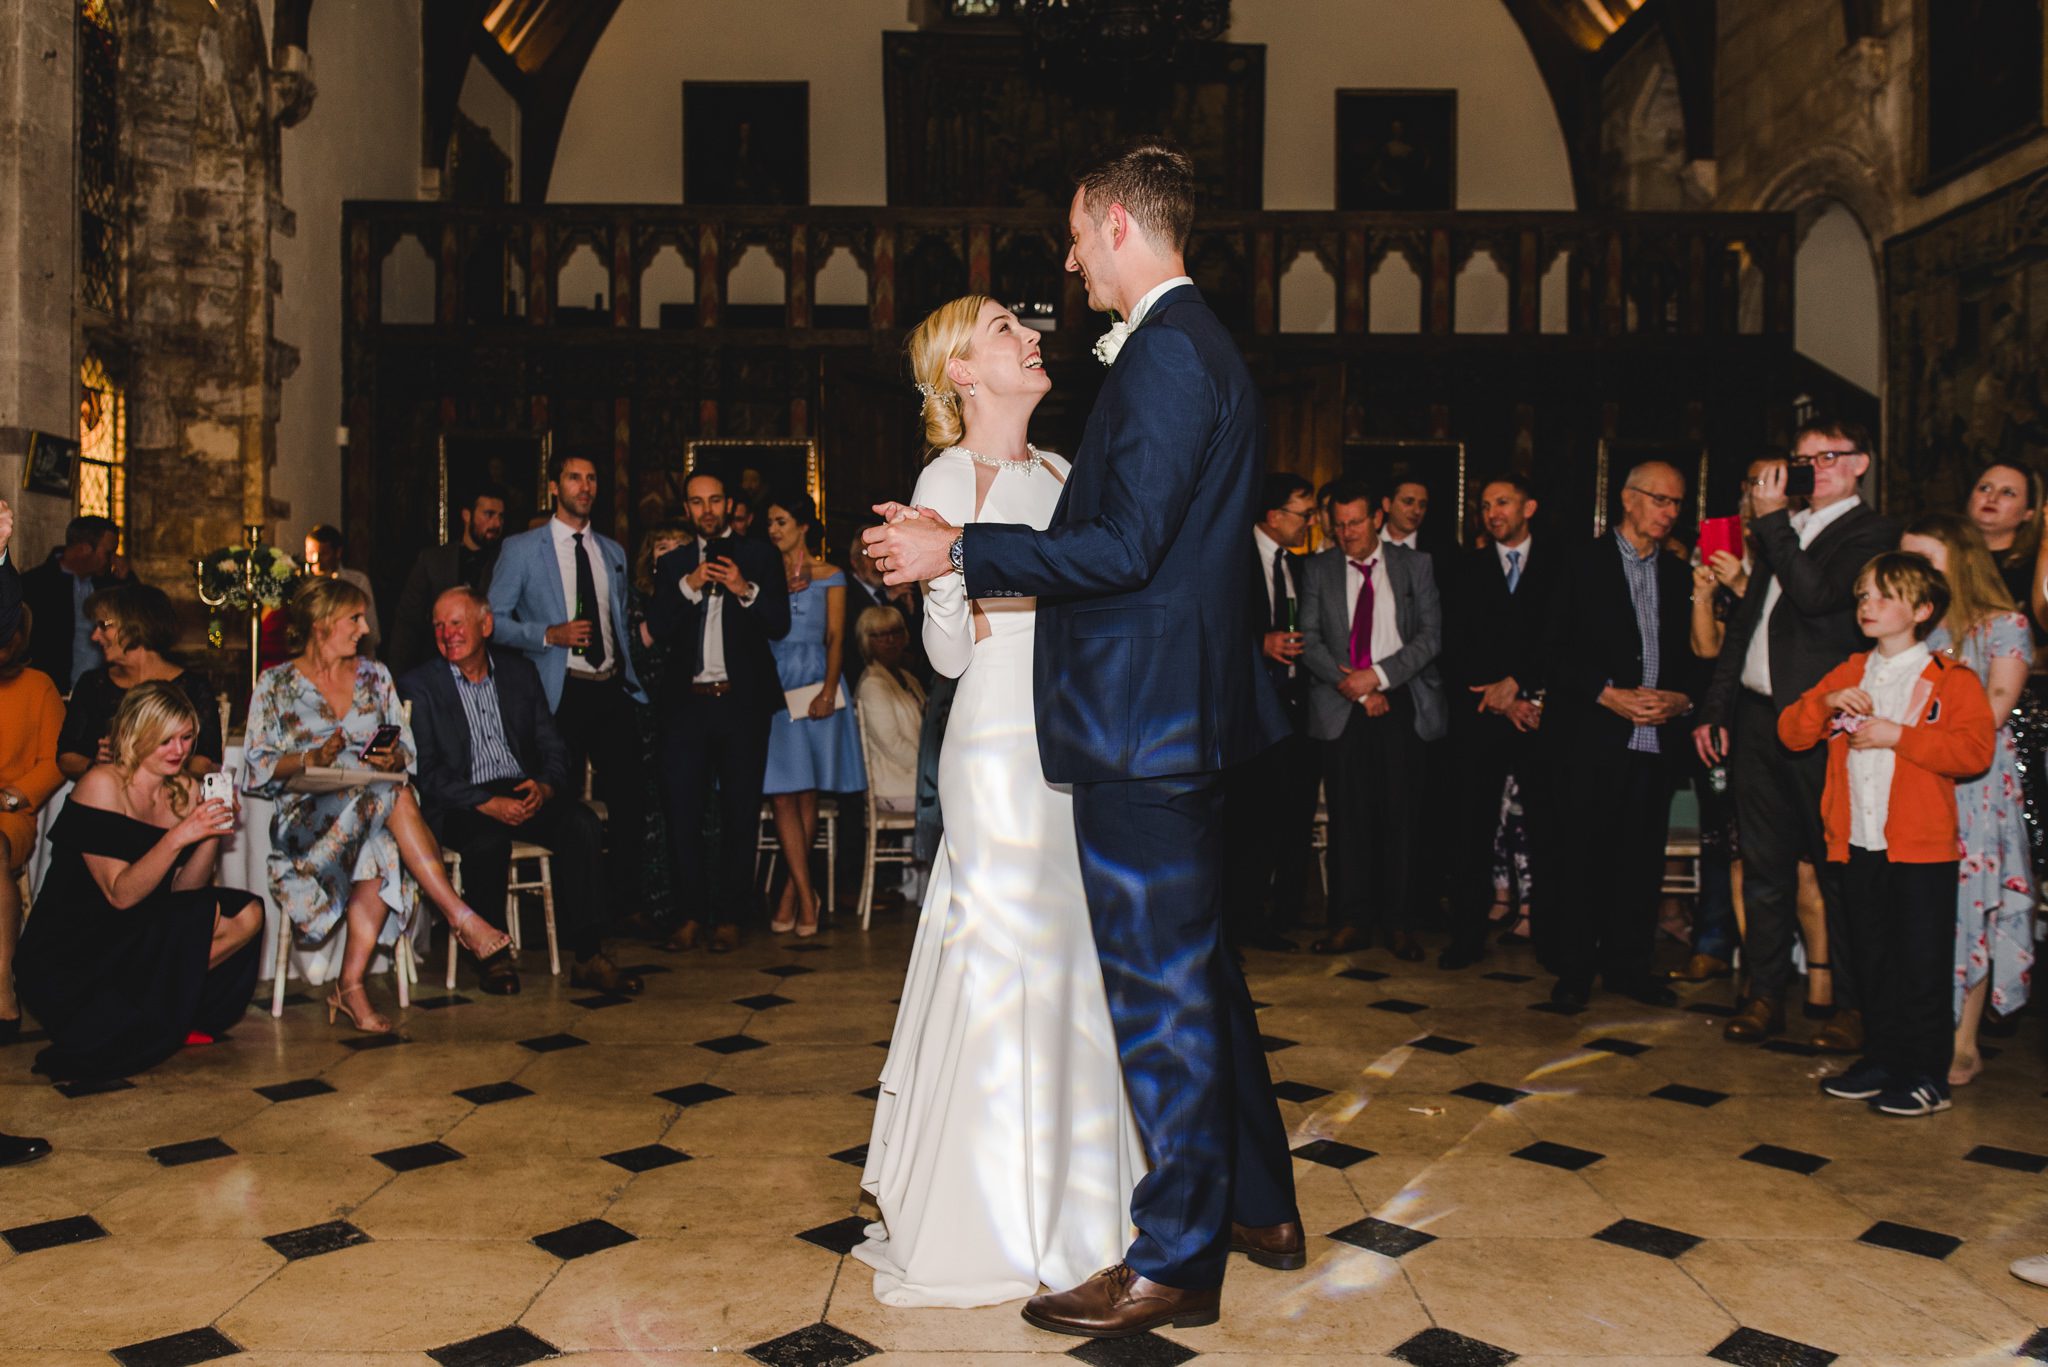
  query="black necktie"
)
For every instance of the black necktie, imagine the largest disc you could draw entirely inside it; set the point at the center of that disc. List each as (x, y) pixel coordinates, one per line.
(1279, 588)
(586, 606)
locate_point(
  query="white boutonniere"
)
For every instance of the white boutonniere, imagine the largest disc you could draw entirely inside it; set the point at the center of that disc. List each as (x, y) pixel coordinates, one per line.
(1111, 342)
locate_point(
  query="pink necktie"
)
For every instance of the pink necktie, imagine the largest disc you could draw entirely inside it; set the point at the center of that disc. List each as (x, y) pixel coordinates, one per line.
(1361, 617)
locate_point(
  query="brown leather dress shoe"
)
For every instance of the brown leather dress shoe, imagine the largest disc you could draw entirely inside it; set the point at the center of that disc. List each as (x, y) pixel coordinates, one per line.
(1702, 968)
(1842, 1035)
(1344, 941)
(1758, 1020)
(685, 938)
(1276, 1246)
(1116, 1303)
(603, 975)
(725, 939)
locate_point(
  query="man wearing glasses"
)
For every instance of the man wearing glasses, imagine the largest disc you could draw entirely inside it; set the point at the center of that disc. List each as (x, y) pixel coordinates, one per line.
(1797, 621)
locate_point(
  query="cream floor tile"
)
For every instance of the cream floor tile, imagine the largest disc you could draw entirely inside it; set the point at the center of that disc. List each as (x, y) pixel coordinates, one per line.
(743, 1198)
(263, 1357)
(245, 1196)
(1725, 1198)
(384, 1296)
(837, 1068)
(492, 1196)
(588, 1125)
(343, 1122)
(632, 1069)
(69, 1182)
(1491, 1197)
(138, 1118)
(942, 1330)
(110, 1292)
(1619, 1126)
(1345, 1301)
(1943, 1194)
(750, 1124)
(429, 1068)
(684, 1293)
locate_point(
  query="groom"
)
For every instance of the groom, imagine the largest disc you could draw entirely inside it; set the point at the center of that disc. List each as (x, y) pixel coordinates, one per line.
(1146, 693)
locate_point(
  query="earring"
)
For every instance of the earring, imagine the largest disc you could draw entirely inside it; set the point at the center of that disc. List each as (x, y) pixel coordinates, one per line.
(970, 391)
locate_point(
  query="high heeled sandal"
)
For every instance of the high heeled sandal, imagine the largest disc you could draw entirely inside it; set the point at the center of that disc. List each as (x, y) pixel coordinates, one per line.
(370, 1023)
(805, 932)
(462, 925)
(1822, 1011)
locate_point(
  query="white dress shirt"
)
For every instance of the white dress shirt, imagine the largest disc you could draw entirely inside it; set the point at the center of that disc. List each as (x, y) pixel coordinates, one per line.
(1151, 296)
(1891, 683)
(1386, 637)
(565, 559)
(1408, 540)
(1500, 553)
(1756, 662)
(712, 668)
(1265, 547)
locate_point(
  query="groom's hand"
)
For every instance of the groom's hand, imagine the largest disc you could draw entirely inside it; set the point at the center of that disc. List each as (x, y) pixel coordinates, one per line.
(917, 546)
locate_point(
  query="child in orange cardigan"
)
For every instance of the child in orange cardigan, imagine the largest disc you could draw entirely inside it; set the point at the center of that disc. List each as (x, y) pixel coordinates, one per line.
(1902, 725)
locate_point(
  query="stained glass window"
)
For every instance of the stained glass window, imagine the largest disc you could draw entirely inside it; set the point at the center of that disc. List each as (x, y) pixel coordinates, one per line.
(98, 77)
(102, 442)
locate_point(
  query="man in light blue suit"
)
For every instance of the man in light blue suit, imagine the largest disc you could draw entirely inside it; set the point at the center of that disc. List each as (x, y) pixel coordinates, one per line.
(1148, 687)
(559, 595)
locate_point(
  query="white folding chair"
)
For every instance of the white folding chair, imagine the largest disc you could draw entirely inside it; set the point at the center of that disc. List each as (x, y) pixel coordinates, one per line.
(403, 967)
(884, 817)
(541, 881)
(827, 840)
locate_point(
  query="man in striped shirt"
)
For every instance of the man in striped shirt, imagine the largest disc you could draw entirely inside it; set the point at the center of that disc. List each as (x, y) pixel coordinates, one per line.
(493, 769)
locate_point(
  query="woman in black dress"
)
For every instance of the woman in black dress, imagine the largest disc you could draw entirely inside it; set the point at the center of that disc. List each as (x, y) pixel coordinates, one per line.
(132, 952)
(136, 628)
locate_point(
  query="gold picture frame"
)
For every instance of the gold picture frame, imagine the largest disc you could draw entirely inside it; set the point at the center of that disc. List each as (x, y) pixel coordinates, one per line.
(475, 452)
(1438, 464)
(777, 462)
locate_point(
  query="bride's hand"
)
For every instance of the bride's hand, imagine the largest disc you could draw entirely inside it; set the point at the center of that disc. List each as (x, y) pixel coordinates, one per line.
(894, 512)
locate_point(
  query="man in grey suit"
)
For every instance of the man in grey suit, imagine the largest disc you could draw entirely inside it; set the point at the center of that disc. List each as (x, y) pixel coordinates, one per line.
(1373, 628)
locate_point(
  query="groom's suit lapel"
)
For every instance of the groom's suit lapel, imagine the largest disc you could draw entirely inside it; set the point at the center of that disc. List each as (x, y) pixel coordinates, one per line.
(1178, 294)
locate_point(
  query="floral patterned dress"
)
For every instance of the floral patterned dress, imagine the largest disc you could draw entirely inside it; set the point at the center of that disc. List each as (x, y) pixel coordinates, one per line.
(322, 844)
(1995, 902)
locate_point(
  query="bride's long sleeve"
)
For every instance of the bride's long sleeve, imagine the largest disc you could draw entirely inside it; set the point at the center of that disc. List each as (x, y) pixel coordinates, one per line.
(948, 490)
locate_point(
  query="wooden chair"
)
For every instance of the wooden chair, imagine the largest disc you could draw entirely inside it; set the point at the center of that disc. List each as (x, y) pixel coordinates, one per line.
(883, 817)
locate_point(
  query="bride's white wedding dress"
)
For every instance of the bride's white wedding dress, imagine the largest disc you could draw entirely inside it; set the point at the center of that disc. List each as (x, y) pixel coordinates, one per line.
(1004, 1152)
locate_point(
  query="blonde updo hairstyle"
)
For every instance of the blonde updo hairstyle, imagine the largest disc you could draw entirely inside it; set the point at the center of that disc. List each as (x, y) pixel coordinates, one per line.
(944, 336)
(317, 602)
(150, 713)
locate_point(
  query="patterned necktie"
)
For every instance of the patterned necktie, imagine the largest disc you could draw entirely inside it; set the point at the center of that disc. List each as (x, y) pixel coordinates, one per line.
(1280, 594)
(1514, 570)
(586, 607)
(1361, 616)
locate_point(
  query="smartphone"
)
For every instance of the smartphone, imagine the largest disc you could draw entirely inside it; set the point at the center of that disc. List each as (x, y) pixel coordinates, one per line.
(1799, 481)
(217, 787)
(1720, 534)
(384, 738)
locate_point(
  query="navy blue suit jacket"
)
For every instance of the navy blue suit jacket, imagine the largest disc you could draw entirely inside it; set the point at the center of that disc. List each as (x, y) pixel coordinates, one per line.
(1147, 664)
(440, 731)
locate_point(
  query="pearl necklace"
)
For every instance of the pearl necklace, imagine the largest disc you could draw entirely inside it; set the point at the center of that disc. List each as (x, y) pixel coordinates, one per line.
(1031, 461)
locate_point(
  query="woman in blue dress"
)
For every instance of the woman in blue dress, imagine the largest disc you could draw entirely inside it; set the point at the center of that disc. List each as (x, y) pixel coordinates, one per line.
(819, 750)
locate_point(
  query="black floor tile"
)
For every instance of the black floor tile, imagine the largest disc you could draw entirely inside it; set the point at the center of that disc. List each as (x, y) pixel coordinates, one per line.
(1257, 1005)
(1140, 1350)
(514, 1347)
(1363, 975)
(363, 1044)
(732, 1044)
(2035, 1349)
(1437, 1044)
(1493, 1094)
(696, 1094)
(295, 1091)
(808, 949)
(766, 1001)
(2016, 1159)
(1791, 1160)
(412, 1157)
(1508, 977)
(788, 970)
(873, 1093)
(548, 1044)
(1550, 1008)
(582, 1239)
(492, 1092)
(73, 1229)
(601, 1000)
(1627, 1048)
(1383, 1237)
(98, 1087)
(1332, 1154)
(1273, 1044)
(1711, 1009)
(1910, 1239)
(1798, 1048)
(1648, 1238)
(855, 1157)
(646, 1158)
(178, 1350)
(1299, 1092)
(441, 1003)
(1397, 1006)
(314, 1240)
(1755, 1348)
(878, 1044)
(1559, 1155)
(645, 969)
(1442, 1348)
(840, 1236)
(191, 1151)
(1701, 1097)
(814, 1345)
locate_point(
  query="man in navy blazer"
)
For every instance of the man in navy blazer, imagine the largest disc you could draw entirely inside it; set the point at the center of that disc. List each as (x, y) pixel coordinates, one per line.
(559, 596)
(1148, 688)
(492, 768)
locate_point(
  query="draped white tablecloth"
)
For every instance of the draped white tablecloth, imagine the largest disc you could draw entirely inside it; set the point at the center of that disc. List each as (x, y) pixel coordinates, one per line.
(244, 858)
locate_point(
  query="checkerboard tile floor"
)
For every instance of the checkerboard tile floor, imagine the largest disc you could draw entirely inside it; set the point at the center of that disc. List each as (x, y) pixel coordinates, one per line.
(675, 1180)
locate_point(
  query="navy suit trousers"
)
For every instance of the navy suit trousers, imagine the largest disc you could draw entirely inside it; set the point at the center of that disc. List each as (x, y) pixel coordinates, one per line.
(1152, 861)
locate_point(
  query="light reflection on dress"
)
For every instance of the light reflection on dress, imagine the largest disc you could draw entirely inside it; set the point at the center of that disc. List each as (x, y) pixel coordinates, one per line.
(1004, 1152)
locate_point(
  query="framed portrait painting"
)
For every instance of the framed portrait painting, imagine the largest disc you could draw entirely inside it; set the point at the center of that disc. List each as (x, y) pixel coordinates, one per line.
(516, 462)
(761, 466)
(1397, 150)
(746, 142)
(52, 465)
(1610, 472)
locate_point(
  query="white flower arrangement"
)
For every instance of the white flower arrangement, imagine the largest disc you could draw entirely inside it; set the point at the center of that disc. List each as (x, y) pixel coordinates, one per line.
(1111, 342)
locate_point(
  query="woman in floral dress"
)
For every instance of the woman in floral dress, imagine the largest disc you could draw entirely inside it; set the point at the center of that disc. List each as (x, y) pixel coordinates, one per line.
(345, 854)
(1995, 902)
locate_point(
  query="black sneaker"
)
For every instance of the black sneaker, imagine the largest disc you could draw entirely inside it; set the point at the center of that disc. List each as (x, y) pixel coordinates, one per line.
(1862, 1081)
(1921, 1098)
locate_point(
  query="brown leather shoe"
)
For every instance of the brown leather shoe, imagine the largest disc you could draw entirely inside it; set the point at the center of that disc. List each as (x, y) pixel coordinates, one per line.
(725, 939)
(1344, 941)
(1758, 1020)
(602, 975)
(1117, 1303)
(685, 938)
(1842, 1035)
(1276, 1246)
(1702, 968)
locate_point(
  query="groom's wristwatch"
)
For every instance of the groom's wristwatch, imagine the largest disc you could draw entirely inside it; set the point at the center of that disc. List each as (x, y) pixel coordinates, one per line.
(957, 553)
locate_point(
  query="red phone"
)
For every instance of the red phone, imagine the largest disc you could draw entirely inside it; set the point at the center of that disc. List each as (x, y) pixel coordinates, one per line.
(1720, 534)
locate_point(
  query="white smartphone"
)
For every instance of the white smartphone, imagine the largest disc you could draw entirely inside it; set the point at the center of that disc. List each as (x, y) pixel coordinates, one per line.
(217, 786)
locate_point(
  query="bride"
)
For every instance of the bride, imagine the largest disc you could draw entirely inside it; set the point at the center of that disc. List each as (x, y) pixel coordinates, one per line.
(1004, 1152)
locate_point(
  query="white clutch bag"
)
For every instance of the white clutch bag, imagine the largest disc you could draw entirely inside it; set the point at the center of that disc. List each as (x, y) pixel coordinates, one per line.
(799, 699)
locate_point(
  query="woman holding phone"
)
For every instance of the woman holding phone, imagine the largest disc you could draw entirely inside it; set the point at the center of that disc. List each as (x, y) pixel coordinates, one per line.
(360, 854)
(133, 953)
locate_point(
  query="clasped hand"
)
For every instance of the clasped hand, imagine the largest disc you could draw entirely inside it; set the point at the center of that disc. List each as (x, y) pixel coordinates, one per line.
(1644, 706)
(914, 543)
(517, 811)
